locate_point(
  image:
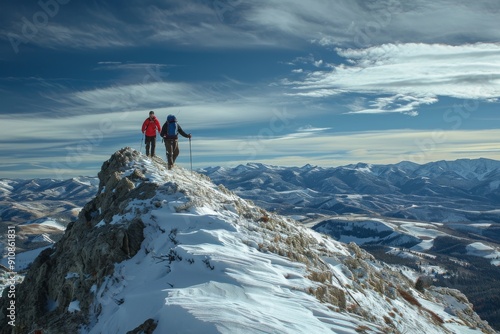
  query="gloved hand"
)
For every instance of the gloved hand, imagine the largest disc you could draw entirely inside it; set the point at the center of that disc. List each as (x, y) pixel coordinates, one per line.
(189, 136)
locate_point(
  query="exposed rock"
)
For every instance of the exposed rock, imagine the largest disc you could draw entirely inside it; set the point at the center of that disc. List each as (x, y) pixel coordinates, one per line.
(147, 327)
(86, 254)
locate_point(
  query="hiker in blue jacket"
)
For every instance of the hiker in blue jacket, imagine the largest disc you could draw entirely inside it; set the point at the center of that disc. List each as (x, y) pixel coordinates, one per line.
(169, 133)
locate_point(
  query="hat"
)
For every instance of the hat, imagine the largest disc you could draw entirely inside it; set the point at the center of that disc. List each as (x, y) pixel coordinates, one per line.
(151, 112)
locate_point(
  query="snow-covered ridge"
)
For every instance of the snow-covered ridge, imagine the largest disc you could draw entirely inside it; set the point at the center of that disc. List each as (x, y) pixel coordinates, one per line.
(248, 260)
(211, 262)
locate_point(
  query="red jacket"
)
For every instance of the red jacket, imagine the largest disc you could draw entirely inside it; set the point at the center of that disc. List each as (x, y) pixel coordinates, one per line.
(150, 126)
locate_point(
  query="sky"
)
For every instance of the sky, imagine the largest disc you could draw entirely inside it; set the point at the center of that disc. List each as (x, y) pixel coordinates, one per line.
(280, 82)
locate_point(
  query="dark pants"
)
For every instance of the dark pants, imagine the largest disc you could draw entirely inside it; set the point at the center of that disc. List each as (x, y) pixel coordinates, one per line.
(150, 141)
(172, 151)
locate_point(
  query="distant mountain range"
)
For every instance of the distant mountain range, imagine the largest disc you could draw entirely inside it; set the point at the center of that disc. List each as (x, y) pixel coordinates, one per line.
(400, 205)
(456, 191)
(463, 194)
(42, 208)
(22, 200)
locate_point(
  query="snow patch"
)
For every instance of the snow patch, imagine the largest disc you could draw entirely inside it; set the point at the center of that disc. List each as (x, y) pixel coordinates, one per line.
(74, 306)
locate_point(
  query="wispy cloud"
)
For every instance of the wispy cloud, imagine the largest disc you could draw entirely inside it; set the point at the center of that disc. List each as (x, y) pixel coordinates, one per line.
(310, 128)
(360, 23)
(244, 23)
(408, 75)
(399, 103)
(103, 25)
(214, 103)
(87, 141)
(327, 149)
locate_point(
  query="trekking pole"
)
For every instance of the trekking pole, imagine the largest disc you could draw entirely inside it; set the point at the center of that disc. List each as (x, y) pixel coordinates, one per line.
(142, 139)
(190, 156)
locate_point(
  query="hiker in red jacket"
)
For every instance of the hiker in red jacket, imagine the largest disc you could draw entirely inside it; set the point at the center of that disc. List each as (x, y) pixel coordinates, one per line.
(149, 127)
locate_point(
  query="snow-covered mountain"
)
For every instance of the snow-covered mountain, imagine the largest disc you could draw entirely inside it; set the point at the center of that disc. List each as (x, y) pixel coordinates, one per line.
(398, 205)
(41, 208)
(159, 251)
(73, 190)
(466, 190)
(22, 200)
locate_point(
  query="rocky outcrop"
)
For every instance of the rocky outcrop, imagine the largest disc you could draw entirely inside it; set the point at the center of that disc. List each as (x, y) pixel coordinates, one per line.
(62, 277)
(147, 327)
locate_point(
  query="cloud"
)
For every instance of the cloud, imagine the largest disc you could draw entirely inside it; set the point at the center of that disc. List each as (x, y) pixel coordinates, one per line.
(408, 75)
(117, 111)
(129, 97)
(310, 128)
(445, 21)
(361, 23)
(303, 20)
(214, 103)
(100, 25)
(399, 103)
(301, 132)
(257, 23)
(379, 147)
(70, 147)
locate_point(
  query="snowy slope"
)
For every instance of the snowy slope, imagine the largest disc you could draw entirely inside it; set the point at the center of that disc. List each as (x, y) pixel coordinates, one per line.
(214, 263)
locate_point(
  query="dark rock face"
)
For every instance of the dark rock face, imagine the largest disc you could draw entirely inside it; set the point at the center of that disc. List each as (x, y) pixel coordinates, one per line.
(86, 254)
(147, 327)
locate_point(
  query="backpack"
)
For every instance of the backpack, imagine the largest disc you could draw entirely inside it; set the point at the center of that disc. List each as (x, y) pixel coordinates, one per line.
(171, 127)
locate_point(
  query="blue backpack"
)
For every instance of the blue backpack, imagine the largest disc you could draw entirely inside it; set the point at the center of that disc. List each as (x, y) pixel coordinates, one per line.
(171, 127)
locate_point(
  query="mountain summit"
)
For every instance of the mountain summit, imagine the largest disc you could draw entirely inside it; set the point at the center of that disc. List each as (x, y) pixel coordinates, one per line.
(168, 251)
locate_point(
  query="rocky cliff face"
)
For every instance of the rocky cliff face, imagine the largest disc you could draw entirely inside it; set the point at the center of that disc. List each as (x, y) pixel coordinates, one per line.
(168, 251)
(83, 257)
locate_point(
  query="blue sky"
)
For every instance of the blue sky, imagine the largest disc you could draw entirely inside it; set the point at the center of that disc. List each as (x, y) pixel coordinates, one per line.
(282, 82)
